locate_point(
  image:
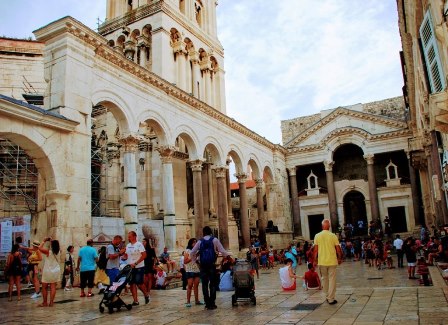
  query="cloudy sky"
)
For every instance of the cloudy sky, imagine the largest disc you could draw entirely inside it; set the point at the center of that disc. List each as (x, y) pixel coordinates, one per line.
(283, 59)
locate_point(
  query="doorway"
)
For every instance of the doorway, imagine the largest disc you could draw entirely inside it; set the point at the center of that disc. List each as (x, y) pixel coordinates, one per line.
(315, 224)
(355, 212)
(397, 216)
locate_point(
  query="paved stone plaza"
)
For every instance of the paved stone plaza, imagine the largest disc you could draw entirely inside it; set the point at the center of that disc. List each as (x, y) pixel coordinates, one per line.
(365, 296)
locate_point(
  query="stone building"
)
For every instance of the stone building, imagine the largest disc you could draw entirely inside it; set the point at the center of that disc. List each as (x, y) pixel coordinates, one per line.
(132, 132)
(424, 36)
(349, 164)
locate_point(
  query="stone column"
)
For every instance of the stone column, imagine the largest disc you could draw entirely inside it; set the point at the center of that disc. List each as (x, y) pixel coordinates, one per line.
(244, 217)
(295, 202)
(442, 218)
(129, 145)
(229, 194)
(414, 190)
(331, 195)
(433, 194)
(271, 200)
(211, 197)
(374, 206)
(195, 72)
(262, 222)
(196, 167)
(166, 155)
(220, 173)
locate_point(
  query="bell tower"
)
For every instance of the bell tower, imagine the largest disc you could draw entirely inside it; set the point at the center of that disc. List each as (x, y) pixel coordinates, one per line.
(175, 39)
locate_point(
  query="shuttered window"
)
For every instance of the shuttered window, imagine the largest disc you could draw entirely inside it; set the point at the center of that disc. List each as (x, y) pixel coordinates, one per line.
(431, 55)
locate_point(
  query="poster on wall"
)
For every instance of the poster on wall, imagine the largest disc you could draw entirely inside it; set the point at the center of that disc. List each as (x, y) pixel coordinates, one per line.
(11, 228)
(5, 237)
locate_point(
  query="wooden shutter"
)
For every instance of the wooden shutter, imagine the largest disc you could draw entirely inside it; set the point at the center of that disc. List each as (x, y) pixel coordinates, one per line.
(431, 55)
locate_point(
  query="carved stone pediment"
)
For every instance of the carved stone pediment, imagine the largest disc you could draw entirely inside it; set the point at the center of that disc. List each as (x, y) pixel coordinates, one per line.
(342, 121)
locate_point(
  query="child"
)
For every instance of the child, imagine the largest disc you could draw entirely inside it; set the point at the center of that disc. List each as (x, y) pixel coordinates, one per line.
(311, 279)
(287, 276)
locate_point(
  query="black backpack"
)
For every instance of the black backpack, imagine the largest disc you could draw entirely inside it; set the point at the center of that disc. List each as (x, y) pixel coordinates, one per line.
(207, 254)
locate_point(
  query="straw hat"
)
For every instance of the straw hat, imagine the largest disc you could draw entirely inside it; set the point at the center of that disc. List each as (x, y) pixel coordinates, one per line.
(36, 243)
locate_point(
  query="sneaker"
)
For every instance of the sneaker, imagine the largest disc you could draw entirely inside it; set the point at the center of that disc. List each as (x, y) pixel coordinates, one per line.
(135, 303)
(36, 295)
(147, 299)
(188, 305)
(334, 302)
(199, 303)
(90, 295)
(30, 285)
(82, 295)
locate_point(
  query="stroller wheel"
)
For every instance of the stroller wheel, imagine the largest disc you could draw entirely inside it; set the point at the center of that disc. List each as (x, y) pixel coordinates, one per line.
(128, 306)
(253, 300)
(101, 309)
(234, 303)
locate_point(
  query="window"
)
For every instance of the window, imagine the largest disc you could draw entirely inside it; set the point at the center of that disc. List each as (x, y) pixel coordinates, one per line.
(431, 55)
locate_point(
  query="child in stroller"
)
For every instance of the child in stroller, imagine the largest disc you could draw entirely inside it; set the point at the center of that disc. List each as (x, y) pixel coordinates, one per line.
(243, 281)
(111, 298)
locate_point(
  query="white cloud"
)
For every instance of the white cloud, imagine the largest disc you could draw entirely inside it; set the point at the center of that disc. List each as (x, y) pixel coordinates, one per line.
(283, 59)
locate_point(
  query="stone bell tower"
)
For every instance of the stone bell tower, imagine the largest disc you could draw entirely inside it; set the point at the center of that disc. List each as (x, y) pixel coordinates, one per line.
(175, 39)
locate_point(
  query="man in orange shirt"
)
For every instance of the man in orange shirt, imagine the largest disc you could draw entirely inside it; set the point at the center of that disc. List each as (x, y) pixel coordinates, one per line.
(328, 255)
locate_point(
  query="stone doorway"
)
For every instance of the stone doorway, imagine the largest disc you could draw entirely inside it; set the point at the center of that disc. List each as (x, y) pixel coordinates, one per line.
(397, 216)
(355, 211)
(315, 224)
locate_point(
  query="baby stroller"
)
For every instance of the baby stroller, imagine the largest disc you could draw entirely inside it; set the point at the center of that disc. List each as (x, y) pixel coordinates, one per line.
(244, 284)
(111, 298)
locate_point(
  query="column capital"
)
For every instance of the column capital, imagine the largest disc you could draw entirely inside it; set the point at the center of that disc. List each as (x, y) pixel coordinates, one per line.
(179, 47)
(220, 171)
(370, 157)
(428, 151)
(242, 177)
(130, 142)
(166, 153)
(194, 56)
(292, 171)
(328, 165)
(259, 183)
(196, 165)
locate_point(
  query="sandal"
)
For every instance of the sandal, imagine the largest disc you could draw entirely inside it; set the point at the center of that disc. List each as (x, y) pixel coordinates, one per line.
(135, 303)
(82, 294)
(199, 303)
(188, 305)
(90, 294)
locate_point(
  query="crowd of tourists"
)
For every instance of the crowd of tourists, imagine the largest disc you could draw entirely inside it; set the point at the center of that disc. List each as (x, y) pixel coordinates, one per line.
(197, 264)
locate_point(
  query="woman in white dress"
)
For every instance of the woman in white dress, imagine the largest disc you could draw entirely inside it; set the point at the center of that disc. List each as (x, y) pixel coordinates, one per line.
(51, 271)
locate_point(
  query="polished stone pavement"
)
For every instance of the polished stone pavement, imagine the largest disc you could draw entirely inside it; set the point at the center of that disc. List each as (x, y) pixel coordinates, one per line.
(365, 296)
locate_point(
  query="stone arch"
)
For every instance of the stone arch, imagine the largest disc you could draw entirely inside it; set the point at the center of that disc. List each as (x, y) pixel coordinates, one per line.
(236, 155)
(120, 41)
(135, 33)
(146, 30)
(33, 145)
(349, 162)
(214, 64)
(159, 125)
(334, 141)
(174, 35)
(116, 106)
(268, 175)
(182, 6)
(254, 164)
(190, 138)
(189, 45)
(213, 147)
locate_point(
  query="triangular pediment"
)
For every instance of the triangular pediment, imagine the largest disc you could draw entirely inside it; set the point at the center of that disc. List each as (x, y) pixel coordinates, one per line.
(343, 121)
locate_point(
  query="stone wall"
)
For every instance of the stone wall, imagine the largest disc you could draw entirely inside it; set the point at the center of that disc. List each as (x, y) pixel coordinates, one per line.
(391, 107)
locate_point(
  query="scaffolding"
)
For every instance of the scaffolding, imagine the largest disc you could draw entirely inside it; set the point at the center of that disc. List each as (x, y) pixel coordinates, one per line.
(18, 181)
(103, 152)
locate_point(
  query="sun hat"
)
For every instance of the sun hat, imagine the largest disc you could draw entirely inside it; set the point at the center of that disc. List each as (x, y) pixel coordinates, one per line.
(36, 243)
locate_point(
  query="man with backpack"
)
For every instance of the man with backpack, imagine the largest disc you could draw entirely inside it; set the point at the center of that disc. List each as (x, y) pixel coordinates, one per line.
(206, 249)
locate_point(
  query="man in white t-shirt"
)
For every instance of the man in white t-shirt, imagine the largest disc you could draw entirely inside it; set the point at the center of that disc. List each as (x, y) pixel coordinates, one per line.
(136, 254)
(398, 244)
